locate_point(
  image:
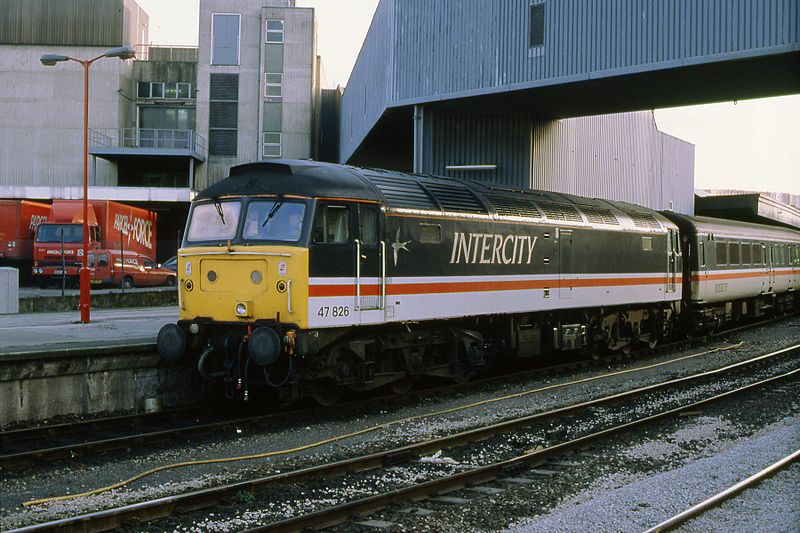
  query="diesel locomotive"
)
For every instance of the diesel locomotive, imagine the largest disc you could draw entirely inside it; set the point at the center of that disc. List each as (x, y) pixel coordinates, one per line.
(308, 278)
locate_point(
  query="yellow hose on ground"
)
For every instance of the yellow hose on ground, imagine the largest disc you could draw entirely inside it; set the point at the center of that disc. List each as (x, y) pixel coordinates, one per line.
(364, 431)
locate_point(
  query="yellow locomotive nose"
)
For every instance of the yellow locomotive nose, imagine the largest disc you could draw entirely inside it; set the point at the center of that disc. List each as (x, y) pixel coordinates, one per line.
(245, 284)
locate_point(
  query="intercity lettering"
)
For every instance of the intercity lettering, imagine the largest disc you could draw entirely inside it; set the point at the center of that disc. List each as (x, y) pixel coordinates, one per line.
(492, 249)
(140, 229)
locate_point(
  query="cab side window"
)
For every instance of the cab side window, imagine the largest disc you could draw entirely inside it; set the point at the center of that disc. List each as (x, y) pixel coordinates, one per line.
(102, 260)
(331, 225)
(368, 225)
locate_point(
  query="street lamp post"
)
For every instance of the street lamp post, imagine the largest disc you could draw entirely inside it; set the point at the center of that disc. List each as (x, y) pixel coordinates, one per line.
(49, 60)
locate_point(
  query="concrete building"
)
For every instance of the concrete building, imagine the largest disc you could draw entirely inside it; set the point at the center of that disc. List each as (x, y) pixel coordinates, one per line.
(162, 126)
(259, 83)
(41, 126)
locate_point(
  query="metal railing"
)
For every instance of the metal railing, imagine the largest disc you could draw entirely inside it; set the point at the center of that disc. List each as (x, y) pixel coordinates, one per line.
(148, 138)
(146, 52)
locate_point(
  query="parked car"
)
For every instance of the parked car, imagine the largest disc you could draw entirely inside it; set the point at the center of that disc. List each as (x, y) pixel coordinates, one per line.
(171, 263)
(131, 269)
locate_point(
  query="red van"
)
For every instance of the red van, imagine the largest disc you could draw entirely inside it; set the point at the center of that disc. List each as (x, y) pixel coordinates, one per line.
(111, 267)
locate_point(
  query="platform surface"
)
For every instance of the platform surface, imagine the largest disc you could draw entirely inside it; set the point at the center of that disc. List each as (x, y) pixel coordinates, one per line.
(37, 332)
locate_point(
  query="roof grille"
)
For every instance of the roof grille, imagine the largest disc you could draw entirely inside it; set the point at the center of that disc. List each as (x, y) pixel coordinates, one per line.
(402, 191)
(513, 206)
(554, 211)
(643, 220)
(597, 215)
(453, 196)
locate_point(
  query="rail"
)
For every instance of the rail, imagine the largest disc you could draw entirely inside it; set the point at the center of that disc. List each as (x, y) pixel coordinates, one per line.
(208, 497)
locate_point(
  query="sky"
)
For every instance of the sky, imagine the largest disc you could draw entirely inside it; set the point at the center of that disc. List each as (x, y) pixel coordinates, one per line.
(748, 145)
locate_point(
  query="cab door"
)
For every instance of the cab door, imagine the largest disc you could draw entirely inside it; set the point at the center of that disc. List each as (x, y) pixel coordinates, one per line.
(370, 264)
(334, 283)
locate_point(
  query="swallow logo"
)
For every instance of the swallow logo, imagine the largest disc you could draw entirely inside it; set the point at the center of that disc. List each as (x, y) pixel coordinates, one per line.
(398, 245)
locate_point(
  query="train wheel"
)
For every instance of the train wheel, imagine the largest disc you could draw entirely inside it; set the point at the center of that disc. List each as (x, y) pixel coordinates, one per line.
(402, 385)
(325, 392)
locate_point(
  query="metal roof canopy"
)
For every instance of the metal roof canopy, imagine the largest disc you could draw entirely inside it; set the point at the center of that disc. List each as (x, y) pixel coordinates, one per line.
(752, 207)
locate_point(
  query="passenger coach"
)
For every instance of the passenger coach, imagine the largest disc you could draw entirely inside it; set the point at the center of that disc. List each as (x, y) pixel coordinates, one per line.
(308, 277)
(737, 269)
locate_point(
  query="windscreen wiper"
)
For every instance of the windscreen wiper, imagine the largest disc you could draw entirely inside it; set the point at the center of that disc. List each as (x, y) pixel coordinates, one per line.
(218, 207)
(277, 205)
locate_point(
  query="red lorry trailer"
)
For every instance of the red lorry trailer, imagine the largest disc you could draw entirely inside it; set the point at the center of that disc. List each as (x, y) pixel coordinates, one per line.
(111, 225)
(18, 221)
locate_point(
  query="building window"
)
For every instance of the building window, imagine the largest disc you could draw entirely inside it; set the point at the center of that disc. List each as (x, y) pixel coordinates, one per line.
(225, 38)
(537, 23)
(272, 144)
(223, 121)
(157, 89)
(184, 90)
(273, 85)
(274, 31)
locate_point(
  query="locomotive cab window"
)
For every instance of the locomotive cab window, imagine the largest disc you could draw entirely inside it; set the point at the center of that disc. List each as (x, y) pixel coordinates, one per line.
(331, 225)
(274, 220)
(368, 225)
(214, 221)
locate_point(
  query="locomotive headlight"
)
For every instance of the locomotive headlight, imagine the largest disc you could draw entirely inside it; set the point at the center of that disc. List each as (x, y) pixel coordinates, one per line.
(242, 309)
(194, 328)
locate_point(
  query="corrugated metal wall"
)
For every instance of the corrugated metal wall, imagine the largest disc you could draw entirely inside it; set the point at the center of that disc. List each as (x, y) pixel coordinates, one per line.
(458, 139)
(424, 50)
(452, 46)
(62, 22)
(617, 157)
(368, 90)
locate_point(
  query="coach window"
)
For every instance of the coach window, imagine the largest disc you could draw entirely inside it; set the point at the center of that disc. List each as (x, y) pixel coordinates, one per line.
(702, 252)
(746, 253)
(757, 255)
(733, 253)
(722, 253)
(332, 225)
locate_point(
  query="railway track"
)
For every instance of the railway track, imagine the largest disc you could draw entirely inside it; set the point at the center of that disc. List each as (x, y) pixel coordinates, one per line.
(22, 447)
(720, 498)
(759, 372)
